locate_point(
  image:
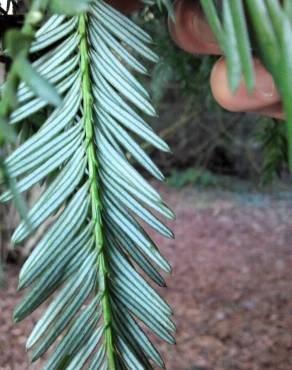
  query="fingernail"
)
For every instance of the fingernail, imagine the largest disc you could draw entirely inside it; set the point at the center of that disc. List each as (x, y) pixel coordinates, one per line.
(265, 86)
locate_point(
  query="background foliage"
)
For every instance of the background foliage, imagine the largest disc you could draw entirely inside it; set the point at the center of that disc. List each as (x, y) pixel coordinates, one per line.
(202, 134)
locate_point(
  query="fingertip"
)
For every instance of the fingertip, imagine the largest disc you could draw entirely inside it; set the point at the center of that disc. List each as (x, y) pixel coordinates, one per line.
(274, 111)
(190, 30)
(264, 95)
(220, 87)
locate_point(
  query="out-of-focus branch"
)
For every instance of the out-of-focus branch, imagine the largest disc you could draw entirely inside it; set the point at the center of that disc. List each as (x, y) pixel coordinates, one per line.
(188, 115)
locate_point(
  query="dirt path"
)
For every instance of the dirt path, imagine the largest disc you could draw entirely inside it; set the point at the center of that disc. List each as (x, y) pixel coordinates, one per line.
(231, 285)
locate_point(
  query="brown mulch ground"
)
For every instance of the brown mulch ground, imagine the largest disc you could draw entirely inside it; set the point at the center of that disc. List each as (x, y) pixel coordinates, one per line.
(231, 285)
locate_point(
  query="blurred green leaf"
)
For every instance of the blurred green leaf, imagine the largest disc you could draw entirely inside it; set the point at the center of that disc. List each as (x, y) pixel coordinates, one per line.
(231, 53)
(243, 42)
(9, 181)
(16, 42)
(36, 82)
(7, 134)
(69, 7)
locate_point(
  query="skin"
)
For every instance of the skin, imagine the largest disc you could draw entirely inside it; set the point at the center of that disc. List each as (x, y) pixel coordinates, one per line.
(192, 33)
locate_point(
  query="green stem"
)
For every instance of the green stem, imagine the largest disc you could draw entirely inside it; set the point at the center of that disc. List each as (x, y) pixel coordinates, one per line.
(94, 189)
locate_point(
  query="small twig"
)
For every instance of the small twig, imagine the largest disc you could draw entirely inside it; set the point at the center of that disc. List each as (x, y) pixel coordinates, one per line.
(185, 118)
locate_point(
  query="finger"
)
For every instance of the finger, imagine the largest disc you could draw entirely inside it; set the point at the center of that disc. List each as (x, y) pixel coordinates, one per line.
(125, 6)
(191, 31)
(264, 98)
(274, 111)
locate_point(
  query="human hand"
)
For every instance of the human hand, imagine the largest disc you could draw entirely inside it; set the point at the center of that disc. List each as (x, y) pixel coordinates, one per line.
(192, 33)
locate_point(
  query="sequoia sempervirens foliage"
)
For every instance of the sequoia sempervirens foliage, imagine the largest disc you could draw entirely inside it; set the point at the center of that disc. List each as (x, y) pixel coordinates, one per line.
(95, 257)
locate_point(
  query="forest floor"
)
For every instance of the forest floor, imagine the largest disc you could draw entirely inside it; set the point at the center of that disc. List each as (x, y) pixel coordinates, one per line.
(231, 285)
